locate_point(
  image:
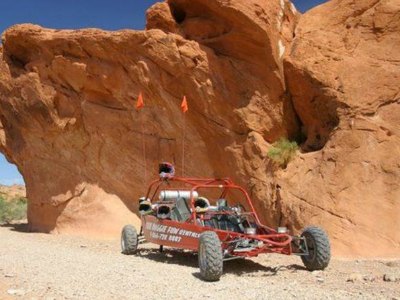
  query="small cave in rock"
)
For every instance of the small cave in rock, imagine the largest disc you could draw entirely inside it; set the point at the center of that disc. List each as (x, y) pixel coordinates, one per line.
(315, 107)
(314, 138)
(319, 128)
(178, 13)
(315, 129)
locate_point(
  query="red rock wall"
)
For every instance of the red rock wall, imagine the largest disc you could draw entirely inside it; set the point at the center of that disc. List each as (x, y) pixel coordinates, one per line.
(67, 105)
(343, 71)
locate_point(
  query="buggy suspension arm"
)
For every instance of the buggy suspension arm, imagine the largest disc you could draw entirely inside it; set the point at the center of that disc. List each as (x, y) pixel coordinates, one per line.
(268, 239)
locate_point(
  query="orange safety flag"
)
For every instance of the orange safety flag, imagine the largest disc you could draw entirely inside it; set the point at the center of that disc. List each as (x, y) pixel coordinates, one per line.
(139, 103)
(184, 105)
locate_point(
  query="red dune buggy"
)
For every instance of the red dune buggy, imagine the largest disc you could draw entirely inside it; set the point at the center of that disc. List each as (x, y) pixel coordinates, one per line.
(216, 218)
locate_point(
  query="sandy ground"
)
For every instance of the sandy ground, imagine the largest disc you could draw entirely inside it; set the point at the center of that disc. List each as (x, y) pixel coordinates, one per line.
(40, 266)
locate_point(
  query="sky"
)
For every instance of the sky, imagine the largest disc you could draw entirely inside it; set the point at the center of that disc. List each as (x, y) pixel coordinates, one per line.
(73, 14)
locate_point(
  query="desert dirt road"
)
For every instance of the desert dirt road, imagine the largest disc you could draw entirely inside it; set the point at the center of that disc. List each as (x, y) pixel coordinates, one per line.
(41, 266)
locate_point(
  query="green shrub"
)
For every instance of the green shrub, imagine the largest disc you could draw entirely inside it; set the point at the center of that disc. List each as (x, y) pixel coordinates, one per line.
(12, 210)
(283, 151)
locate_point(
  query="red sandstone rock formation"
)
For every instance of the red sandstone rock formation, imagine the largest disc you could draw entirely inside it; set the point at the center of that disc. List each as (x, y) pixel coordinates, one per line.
(68, 121)
(67, 100)
(343, 72)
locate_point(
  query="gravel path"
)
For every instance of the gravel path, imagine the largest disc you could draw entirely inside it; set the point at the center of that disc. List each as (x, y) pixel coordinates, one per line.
(40, 266)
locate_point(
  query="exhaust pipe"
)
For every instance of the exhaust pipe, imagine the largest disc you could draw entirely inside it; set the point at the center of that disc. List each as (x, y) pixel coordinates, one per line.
(163, 212)
(145, 206)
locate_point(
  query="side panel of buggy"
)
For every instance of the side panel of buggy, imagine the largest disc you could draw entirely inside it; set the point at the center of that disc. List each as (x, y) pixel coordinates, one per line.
(174, 234)
(186, 236)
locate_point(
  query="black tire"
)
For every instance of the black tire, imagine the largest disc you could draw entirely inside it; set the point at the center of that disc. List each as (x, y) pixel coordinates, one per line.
(319, 249)
(129, 240)
(210, 256)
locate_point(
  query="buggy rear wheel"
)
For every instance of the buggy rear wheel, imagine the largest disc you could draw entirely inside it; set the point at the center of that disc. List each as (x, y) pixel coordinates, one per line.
(319, 249)
(129, 240)
(210, 256)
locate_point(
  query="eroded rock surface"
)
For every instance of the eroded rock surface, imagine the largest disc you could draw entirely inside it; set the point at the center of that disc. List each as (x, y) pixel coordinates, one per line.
(67, 106)
(343, 72)
(68, 120)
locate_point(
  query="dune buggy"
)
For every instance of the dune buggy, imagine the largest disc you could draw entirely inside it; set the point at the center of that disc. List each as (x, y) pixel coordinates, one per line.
(216, 218)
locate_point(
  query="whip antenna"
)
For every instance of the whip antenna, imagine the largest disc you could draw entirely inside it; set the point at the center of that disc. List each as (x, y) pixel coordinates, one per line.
(184, 108)
(139, 106)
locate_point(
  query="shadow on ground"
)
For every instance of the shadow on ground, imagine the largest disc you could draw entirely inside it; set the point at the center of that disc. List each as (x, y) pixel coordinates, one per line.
(241, 267)
(18, 226)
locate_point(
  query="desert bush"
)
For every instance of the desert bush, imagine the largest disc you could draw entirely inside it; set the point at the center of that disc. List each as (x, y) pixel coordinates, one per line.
(12, 210)
(283, 151)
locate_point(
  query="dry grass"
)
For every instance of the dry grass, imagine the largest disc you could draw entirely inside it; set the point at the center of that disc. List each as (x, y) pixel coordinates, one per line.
(13, 209)
(283, 151)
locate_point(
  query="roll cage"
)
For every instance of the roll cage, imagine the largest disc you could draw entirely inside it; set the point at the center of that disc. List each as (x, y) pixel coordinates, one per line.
(194, 184)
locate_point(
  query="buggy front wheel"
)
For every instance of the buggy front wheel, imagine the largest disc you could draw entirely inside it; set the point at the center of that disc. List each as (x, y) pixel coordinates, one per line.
(319, 249)
(129, 240)
(210, 256)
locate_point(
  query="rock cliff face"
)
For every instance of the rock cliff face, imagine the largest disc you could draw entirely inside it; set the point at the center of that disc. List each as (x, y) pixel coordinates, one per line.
(343, 71)
(67, 105)
(68, 120)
